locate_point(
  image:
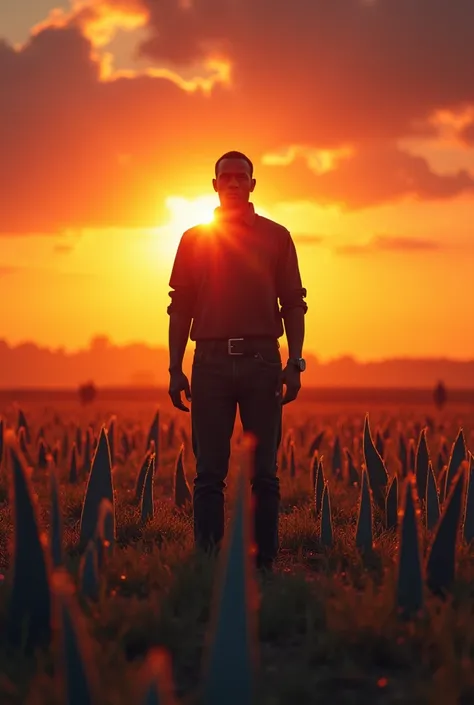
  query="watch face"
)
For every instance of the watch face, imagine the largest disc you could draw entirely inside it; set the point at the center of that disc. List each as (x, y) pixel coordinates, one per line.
(299, 363)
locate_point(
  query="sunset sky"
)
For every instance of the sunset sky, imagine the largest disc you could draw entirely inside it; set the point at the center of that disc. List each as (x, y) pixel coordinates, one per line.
(357, 114)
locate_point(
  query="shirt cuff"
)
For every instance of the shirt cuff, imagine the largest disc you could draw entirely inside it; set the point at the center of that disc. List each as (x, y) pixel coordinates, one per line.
(294, 299)
(181, 302)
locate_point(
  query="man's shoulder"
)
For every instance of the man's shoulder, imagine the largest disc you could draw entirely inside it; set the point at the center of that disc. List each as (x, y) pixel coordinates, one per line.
(191, 232)
(272, 225)
(191, 235)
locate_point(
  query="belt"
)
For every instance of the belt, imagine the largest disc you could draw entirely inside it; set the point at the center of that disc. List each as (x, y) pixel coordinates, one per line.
(238, 346)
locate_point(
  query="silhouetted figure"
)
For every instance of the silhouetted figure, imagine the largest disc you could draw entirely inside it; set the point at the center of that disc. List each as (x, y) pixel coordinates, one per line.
(87, 393)
(439, 395)
(230, 278)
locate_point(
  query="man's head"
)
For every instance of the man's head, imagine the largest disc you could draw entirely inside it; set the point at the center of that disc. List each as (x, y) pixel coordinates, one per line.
(234, 180)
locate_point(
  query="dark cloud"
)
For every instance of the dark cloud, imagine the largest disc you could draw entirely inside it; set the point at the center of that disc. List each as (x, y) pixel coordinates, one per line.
(64, 136)
(467, 134)
(329, 72)
(372, 176)
(77, 151)
(389, 243)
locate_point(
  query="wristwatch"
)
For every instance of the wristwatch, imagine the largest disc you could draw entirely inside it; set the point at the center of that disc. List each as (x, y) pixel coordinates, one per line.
(298, 362)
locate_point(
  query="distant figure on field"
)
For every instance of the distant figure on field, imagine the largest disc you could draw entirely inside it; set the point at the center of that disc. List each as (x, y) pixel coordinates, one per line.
(87, 393)
(439, 395)
(228, 277)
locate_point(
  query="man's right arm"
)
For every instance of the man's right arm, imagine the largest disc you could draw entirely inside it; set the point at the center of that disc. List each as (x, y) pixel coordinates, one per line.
(180, 309)
(179, 327)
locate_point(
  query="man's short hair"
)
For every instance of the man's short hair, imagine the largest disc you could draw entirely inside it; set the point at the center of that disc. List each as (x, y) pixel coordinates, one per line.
(235, 155)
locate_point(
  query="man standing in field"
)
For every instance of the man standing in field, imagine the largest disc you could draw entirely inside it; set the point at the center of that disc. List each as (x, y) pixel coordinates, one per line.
(228, 277)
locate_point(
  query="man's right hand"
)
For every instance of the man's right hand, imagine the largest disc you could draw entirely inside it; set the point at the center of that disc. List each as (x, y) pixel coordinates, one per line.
(179, 383)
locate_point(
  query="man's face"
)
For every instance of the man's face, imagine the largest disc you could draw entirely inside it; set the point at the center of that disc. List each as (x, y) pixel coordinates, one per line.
(233, 183)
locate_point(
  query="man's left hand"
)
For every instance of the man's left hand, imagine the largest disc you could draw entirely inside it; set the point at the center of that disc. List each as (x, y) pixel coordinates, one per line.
(291, 377)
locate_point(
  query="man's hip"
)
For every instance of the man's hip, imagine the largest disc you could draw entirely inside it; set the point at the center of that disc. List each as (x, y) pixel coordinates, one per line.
(238, 346)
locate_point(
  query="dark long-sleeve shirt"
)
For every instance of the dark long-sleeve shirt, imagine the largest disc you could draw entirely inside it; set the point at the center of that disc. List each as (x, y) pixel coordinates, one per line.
(236, 278)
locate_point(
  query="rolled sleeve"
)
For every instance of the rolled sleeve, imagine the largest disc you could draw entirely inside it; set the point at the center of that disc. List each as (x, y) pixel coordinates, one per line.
(182, 300)
(290, 291)
(181, 279)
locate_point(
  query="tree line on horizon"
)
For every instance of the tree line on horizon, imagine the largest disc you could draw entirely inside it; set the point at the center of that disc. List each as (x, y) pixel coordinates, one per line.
(139, 364)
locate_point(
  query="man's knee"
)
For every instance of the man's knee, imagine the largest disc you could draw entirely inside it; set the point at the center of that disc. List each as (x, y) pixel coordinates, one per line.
(212, 480)
(265, 483)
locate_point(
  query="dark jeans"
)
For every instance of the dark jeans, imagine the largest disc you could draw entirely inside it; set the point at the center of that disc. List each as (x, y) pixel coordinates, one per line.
(219, 383)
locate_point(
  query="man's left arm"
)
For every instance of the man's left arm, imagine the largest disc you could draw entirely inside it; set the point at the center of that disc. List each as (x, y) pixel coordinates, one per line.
(291, 294)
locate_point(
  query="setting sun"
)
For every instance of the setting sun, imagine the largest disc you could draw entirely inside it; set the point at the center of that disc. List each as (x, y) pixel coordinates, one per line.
(186, 213)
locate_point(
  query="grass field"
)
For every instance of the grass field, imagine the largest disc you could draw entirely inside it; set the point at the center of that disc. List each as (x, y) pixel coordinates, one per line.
(327, 622)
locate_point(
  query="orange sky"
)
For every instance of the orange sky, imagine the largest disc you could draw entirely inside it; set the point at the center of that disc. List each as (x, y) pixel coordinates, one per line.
(109, 157)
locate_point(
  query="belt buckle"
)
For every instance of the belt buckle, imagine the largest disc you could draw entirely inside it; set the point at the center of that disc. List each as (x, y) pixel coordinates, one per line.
(229, 346)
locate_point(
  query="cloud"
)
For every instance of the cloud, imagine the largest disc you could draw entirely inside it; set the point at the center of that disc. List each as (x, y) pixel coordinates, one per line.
(308, 239)
(67, 241)
(49, 275)
(64, 134)
(63, 249)
(467, 134)
(329, 71)
(98, 20)
(389, 243)
(372, 176)
(82, 147)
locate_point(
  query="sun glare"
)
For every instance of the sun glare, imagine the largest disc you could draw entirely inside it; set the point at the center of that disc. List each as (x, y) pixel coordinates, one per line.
(184, 213)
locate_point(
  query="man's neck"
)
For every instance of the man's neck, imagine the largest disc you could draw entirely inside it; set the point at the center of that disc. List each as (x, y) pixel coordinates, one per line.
(245, 212)
(234, 210)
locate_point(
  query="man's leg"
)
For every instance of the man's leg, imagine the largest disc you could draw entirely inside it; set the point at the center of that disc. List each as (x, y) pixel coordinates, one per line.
(213, 411)
(260, 408)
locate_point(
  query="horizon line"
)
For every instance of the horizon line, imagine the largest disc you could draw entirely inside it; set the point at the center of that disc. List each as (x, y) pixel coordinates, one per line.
(164, 388)
(62, 349)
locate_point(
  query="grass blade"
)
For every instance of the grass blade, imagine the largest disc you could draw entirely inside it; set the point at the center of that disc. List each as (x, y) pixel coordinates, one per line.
(56, 528)
(30, 603)
(410, 576)
(364, 536)
(432, 508)
(74, 649)
(458, 454)
(422, 459)
(229, 667)
(157, 679)
(326, 531)
(147, 506)
(468, 527)
(440, 569)
(182, 493)
(377, 473)
(391, 505)
(99, 486)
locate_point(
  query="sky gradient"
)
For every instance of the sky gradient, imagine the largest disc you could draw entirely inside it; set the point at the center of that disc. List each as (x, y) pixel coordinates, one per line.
(358, 117)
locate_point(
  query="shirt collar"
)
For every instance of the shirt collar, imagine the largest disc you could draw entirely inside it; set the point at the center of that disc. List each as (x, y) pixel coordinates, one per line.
(248, 216)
